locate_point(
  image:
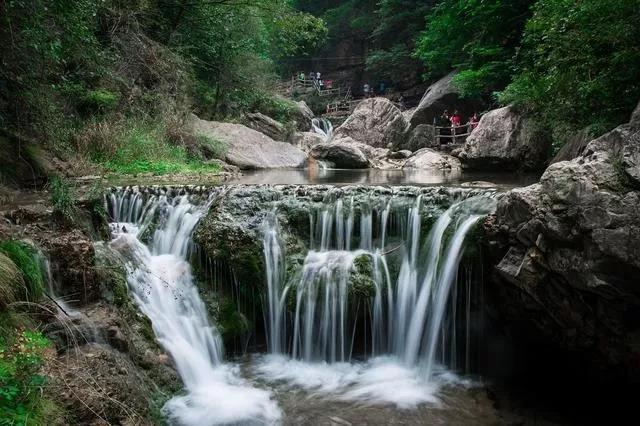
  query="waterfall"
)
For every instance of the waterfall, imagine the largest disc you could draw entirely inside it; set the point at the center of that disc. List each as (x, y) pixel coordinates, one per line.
(162, 286)
(323, 127)
(317, 314)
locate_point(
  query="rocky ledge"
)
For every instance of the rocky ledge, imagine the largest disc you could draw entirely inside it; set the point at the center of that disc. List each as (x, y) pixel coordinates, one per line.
(567, 255)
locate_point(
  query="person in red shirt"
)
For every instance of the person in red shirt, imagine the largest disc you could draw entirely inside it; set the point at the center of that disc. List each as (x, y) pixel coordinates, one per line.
(455, 123)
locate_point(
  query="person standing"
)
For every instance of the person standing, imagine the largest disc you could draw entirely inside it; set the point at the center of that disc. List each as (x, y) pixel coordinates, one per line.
(456, 121)
(473, 122)
(366, 89)
(445, 131)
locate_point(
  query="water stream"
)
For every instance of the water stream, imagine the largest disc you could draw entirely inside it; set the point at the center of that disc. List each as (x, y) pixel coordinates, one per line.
(162, 285)
(322, 127)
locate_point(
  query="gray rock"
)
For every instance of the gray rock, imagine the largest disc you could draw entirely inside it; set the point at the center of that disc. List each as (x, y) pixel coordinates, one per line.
(574, 146)
(505, 139)
(250, 149)
(307, 140)
(303, 117)
(422, 136)
(341, 155)
(267, 125)
(570, 247)
(376, 122)
(442, 95)
(399, 155)
(427, 158)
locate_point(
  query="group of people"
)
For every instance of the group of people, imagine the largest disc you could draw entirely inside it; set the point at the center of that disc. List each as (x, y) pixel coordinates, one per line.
(369, 91)
(451, 125)
(316, 79)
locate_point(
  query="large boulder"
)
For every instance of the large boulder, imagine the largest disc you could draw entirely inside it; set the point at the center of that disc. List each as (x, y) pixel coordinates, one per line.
(267, 125)
(340, 155)
(376, 122)
(428, 159)
(442, 95)
(567, 252)
(250, 149)
(505, 139)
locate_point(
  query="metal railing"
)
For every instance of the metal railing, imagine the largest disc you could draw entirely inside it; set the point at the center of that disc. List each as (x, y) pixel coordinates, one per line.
(452, 134)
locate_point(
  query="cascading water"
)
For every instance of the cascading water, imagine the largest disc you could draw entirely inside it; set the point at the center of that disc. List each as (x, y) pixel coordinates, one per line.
(161, 283)
(410, 315)
(322, 127)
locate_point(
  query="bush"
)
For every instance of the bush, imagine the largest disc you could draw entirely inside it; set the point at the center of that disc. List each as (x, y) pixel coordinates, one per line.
(61, 198)
(21, 385)
(27, 261)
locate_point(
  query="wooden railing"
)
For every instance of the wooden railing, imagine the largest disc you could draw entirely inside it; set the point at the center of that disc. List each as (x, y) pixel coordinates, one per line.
(451, 134)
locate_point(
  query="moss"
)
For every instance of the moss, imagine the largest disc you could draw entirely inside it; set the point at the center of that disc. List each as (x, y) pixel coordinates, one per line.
(26, 259)
(361, 283)
(231, 322)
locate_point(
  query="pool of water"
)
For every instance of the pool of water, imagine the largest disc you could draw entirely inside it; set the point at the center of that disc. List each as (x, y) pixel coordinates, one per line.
(385, 177)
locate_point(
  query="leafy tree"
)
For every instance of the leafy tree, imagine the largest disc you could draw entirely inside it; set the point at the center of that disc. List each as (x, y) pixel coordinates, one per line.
(399, 22)
(579, 63)
(477, 37)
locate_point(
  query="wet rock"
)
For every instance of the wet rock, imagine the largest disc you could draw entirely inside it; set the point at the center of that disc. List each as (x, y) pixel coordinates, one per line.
(341, 155)
(267, 126)
(427, 159)
(376, 122)
(399, 155)
(507, 140)
(570, 246)
(250, 149)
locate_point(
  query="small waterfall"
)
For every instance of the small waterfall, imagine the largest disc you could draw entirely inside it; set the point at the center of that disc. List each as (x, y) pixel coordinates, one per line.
(318, 314)
(323, 127)
(161, 283)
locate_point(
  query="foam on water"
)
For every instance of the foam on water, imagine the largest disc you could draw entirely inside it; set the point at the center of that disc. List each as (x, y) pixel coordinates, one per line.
(380, 380)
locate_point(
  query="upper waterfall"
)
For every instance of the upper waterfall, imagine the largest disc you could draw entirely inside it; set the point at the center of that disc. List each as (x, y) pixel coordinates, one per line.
(323, 127)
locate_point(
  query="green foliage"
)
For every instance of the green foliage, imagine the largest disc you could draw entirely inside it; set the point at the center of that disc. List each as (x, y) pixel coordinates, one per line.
(579, 64)
(102, 99)
(479, 38)
(231, 322)
(61, 198)
(21, 385)
(215, 148)
(27, 260)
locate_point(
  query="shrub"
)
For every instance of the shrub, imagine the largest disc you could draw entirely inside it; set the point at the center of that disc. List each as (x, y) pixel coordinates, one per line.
(21, 385)
(61, 198)
(27, 261)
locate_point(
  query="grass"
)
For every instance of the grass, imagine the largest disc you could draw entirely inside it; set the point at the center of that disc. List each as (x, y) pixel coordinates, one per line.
(26, 260)
(145, 149)
(61, 197)
(10, 281)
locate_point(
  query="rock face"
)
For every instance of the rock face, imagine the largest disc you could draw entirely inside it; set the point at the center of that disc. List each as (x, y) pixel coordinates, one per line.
(267, 125)
(421, 137)
(568, 254)
(250, 149)
(304, 115)
(574, 147)
(340, 155)
(376, 122)
(504, 139)
(427, 158)
(442, 95)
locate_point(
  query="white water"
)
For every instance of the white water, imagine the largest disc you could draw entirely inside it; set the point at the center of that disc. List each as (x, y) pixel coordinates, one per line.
(407, 314)
(161, 283)
(323, 127)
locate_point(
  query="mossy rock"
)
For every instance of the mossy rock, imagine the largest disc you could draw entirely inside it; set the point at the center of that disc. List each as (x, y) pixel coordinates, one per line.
(361, 282)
